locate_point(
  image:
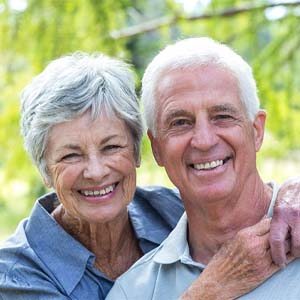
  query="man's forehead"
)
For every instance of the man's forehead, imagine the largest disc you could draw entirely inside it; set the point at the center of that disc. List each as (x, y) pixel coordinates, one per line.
(194, 77)
(214, 108)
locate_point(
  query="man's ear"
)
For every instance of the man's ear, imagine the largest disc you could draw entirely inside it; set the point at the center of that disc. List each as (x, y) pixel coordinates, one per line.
(155, 147)
(259, 128)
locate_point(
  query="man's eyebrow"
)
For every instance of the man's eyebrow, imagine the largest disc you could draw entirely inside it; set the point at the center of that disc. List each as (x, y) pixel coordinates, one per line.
(226, 107)
(175, 114)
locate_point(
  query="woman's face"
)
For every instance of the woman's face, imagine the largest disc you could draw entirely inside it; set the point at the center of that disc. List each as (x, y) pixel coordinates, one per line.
(92, 167)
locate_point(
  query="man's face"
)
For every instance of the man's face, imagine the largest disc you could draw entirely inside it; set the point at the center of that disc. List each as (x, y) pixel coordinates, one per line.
(204, 138)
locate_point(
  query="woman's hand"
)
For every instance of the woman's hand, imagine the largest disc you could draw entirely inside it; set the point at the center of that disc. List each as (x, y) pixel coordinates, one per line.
(285, 225)
(238, 267)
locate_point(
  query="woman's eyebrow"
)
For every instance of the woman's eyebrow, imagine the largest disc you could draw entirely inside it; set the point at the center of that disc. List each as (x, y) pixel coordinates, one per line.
(69, 147)
(110, 137)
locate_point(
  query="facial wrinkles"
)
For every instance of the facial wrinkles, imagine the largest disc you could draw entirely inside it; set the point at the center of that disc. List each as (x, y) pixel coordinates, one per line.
(64, 195)
(91, 139)
(129, 183)
(175, 107)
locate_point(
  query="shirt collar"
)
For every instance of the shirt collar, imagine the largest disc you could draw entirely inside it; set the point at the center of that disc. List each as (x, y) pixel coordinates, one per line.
(144, 227)
(176, 248)
(53, 245)
(149, 213)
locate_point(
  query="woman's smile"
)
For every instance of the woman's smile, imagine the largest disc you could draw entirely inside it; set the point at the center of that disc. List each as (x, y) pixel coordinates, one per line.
(98, 164)
(98, 194)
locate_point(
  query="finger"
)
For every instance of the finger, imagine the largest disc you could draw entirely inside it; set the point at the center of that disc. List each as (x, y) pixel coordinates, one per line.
(295, 239)
(287, 246)
(271, 267)
(261, 228)
(278, 232)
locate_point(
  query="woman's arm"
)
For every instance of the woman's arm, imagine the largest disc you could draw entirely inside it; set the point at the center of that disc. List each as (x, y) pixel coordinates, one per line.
(241, 265)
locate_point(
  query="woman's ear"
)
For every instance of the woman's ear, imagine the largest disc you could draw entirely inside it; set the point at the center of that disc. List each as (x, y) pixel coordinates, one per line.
(47, 179)
(47, 183)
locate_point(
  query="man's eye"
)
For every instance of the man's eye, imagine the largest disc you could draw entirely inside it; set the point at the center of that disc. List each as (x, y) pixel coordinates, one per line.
(223, 117)
(180, 122)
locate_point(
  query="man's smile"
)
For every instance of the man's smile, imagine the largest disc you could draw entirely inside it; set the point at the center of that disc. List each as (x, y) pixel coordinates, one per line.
(210, 164)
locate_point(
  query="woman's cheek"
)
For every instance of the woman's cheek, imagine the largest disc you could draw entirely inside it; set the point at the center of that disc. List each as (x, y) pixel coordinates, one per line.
(129, 187)
(63, 181)
(130, 181)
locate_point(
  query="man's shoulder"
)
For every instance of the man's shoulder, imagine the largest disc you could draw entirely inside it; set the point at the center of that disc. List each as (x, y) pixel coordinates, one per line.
(284, 284)
(146, 262)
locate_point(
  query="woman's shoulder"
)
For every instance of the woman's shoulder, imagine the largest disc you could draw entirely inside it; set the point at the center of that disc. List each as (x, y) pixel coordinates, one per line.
(161, 201)
(23, 273)
(154, 212)
(18, 261)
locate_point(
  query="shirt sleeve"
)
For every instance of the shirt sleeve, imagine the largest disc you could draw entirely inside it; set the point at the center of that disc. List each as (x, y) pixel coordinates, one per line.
(117, 293)
(16, 288)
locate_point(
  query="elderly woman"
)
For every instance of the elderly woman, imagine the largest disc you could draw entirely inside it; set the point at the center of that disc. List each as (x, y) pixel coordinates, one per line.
(82, 128)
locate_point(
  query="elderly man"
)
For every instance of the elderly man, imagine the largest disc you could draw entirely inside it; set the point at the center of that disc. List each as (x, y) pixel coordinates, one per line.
(205, 127)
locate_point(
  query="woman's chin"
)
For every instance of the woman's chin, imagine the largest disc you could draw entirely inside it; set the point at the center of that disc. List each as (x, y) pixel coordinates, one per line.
(103, 214)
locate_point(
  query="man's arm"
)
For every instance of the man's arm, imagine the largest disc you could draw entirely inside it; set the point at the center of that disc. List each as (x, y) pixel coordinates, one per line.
(238, 267)
(285, 225)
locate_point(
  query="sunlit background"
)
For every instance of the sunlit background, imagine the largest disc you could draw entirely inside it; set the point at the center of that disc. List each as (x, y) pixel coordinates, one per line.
(32, 33)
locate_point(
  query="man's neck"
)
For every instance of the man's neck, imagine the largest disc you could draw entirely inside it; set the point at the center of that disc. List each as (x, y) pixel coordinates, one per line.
(223, 219)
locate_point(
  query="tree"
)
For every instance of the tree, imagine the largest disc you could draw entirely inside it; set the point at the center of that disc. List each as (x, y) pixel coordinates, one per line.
(264, 32)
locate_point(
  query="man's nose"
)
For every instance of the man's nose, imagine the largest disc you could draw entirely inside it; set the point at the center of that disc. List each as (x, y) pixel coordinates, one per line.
(204, 136)
(96, 168)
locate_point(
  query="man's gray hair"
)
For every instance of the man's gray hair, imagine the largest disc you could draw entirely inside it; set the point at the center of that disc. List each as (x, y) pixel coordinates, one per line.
(70, 86)
(191, 54)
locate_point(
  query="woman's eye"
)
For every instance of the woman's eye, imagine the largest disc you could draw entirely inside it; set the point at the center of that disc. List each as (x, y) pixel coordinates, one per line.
(111, 147)
(70, 156)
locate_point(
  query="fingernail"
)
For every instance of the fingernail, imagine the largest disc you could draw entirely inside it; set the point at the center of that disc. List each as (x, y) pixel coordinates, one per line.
(282, 266)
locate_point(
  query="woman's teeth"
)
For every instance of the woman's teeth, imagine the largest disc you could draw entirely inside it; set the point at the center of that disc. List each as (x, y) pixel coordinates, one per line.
(101, 192)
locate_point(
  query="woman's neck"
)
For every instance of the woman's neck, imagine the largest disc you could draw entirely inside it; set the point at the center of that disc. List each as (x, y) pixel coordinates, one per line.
(114, 243)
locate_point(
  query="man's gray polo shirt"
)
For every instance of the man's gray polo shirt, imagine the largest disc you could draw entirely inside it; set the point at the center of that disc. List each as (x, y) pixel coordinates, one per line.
(166, 272)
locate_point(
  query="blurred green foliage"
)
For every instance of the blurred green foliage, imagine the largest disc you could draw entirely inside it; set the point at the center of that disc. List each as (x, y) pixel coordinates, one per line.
(33, 32)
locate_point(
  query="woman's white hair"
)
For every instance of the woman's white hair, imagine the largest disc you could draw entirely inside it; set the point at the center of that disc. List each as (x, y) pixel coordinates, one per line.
(190, 54)
(70, 86)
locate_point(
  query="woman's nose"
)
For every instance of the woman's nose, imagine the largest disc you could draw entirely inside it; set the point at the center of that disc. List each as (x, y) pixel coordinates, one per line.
(96, 168)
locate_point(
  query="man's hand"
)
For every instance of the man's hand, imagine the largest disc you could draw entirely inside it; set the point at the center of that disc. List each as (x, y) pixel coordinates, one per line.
(285, 225)
(238, 267)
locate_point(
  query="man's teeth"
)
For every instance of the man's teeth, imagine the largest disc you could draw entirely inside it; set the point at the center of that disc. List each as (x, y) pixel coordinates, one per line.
(209, 165)
(101, 192)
